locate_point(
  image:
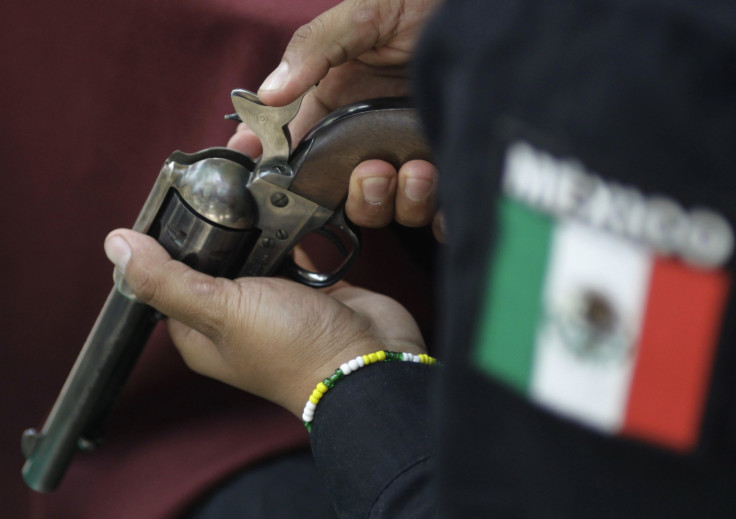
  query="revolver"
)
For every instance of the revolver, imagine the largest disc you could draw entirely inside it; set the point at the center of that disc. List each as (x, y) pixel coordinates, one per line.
(225, 214)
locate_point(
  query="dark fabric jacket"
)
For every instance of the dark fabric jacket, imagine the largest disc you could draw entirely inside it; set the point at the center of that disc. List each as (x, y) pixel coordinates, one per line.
(644, 95)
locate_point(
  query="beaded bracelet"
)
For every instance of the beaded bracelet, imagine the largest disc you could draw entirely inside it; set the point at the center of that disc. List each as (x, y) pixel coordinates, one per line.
(354, 365)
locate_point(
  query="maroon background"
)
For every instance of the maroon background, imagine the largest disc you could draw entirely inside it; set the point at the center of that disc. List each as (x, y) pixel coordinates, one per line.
(93, 97)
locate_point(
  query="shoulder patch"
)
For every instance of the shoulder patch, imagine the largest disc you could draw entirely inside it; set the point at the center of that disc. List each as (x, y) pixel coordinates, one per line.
(603, 305)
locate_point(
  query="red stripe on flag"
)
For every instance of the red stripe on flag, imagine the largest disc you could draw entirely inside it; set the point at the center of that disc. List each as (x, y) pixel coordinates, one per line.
(675, 355)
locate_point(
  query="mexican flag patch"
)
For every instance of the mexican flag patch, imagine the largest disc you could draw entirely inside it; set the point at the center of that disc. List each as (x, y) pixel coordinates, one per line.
(605, 316)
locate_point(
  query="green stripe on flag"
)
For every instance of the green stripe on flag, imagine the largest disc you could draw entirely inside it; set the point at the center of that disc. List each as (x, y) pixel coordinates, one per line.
(513, 302)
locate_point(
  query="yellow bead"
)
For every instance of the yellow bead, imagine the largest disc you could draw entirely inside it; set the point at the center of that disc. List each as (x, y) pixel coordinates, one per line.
(322, 388)
(366, 359)
(316, 394)
(314, 400)
(381, 355)
(373, 357)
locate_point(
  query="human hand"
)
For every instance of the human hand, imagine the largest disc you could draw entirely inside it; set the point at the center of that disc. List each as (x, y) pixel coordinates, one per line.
(268, 336)
(357, 50)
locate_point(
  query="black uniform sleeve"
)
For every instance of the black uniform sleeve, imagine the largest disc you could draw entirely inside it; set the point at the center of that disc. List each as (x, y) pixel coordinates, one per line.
(371, 440)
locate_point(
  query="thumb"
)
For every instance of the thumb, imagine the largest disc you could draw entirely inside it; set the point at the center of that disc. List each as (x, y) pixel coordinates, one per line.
(170, 286)
(333, 38)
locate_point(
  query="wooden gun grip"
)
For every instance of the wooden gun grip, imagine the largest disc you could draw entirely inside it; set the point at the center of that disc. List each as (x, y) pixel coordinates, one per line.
(387, 129)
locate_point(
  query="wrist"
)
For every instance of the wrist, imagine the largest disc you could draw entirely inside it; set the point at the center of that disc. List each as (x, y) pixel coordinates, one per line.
(302, 387)
(355, 364)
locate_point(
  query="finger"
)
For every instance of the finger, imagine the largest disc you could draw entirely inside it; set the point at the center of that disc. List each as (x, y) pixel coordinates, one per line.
(245, 141)
(311, 111)
(302, 259)
(346, 84)
(387, 314)
(371, 193)
(416, 194)
(200, 301)
(197, 350)
(336, 36)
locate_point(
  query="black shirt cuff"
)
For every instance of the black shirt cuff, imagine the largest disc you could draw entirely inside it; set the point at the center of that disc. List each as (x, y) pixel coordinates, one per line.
(371, 439)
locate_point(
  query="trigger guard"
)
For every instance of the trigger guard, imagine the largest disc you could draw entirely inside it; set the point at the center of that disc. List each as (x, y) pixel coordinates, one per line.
(321, 279)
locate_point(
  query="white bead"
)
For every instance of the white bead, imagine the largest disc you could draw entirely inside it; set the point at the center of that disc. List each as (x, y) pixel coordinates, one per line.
(307, 416)
(345, 369)
(360, 361)
(311, 406)
(354, 365)
(405, 356)
(415, 358)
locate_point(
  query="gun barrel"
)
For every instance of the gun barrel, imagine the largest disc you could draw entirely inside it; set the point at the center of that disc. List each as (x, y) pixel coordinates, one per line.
(104, 363)
(121, 331)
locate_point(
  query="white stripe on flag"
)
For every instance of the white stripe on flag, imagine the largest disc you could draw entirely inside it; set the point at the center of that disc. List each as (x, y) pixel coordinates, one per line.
(591, 386)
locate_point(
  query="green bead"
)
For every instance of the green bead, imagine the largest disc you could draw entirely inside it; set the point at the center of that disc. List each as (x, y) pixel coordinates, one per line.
(334, 379)
(329, 383)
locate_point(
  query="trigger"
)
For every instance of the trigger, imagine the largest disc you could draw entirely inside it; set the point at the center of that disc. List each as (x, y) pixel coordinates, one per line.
(320, 279)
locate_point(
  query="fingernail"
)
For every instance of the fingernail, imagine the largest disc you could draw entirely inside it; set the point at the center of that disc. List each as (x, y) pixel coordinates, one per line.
(417, 189)
(118, 251)
(375, 190)
(277, 78)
